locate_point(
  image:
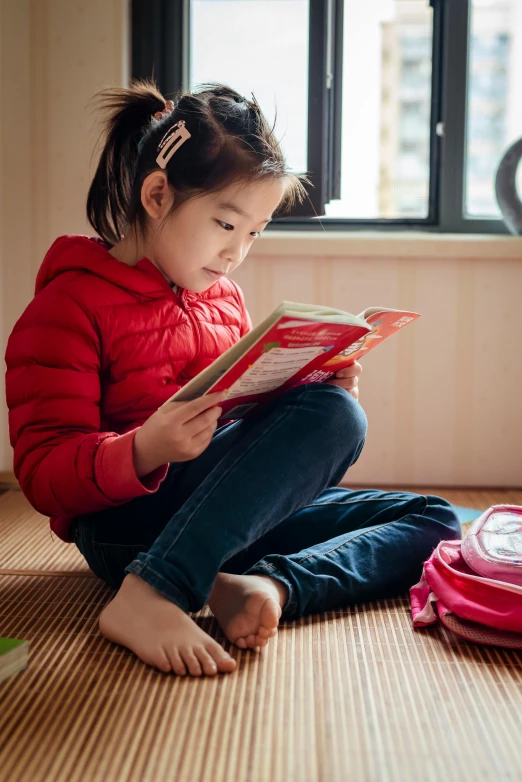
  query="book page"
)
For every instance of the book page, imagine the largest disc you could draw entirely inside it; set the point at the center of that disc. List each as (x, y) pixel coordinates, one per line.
(272, 369)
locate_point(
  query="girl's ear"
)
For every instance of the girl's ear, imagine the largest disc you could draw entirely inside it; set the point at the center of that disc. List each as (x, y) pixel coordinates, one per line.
(156, 196)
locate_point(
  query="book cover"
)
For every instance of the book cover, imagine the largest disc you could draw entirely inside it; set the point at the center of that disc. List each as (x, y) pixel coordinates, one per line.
(296, 344)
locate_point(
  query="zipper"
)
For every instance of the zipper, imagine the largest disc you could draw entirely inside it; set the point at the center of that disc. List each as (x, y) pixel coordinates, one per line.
(188, 309)
(184, 304)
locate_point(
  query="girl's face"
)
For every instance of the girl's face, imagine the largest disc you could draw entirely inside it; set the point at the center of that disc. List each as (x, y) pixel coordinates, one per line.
(212, 233)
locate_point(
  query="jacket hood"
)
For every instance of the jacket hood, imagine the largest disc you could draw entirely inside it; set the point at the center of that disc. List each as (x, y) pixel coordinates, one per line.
(90, 254)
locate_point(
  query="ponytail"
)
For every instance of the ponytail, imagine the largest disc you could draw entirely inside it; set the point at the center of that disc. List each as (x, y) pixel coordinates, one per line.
(111, 189)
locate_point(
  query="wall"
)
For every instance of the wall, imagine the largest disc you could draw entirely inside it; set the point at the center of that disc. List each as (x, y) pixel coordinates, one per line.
(442, 398)
(54, 56)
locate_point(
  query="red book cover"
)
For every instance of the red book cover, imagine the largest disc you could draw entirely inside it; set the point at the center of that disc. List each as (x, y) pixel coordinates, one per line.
(287, 353)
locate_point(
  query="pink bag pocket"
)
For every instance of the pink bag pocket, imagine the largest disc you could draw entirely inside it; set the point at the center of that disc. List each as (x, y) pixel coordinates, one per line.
(492, 546)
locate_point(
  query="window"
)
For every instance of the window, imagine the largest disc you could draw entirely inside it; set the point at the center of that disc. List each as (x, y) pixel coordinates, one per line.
(399, 110)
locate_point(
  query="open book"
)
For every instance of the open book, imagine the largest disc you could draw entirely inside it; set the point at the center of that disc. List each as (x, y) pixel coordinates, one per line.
(295, 344)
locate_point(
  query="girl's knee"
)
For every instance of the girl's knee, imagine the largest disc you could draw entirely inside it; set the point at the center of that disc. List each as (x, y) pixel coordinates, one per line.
(341, 414)
(444, 518)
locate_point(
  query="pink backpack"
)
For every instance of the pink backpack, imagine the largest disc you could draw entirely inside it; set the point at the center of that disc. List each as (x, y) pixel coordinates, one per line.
(474, 585)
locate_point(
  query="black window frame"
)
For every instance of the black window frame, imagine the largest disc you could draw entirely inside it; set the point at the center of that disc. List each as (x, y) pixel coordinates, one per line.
(160, 39)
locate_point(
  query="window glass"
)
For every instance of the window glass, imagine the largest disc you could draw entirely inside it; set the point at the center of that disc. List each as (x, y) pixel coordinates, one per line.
(494, 110)
(385, 158)
(258, 46)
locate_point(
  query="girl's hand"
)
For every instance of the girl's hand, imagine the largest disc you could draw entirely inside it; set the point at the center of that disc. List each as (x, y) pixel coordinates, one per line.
(177, 432)
(348, 378)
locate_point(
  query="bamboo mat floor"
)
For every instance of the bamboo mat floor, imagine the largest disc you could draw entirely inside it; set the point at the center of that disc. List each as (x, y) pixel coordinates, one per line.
(354, 694)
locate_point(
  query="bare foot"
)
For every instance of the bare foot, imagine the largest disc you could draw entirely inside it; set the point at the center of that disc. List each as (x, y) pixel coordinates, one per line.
(160, 633)
(248, 608)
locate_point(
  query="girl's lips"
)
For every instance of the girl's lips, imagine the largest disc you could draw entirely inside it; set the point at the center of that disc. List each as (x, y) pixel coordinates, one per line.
(214, 274)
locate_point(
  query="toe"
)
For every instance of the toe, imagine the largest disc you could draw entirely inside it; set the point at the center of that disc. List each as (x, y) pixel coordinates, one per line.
(263, 632)
(251, 641)
(163, 662)
(178, 666)
(241, 642)
(191, 661)
(224, 661)
(207, 663)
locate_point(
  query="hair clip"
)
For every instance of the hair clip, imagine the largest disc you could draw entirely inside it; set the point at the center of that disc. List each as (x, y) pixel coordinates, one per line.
(171, 142)
(169, 106)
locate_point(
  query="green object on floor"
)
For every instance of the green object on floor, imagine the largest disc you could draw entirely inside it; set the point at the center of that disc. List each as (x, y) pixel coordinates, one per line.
(13, 656)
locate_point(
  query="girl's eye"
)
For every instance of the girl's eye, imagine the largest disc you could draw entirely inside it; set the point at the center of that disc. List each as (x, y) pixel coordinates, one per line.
(229, 227)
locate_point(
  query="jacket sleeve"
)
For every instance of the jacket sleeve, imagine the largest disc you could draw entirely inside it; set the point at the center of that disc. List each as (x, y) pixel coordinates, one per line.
(64, 464)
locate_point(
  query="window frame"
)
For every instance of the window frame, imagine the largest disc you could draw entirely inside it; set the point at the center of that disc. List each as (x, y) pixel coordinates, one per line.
(160, 40)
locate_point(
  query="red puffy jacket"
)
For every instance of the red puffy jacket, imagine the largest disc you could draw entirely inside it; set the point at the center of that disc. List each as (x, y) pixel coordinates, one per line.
(101, 346)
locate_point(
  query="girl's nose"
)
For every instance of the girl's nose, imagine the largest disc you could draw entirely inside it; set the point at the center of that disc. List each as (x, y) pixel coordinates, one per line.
(233, 255)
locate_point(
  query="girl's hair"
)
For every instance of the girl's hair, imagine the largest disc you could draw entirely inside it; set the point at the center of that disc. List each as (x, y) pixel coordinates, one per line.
(231, 142)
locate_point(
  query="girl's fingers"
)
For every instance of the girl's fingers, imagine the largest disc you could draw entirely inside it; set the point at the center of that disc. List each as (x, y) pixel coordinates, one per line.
(200, 426)
(352, 371)
(188, 411)
(203, 436)
(348, 382)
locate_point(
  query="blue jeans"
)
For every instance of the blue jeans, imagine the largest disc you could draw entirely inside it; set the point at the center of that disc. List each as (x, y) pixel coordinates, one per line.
(262, 498)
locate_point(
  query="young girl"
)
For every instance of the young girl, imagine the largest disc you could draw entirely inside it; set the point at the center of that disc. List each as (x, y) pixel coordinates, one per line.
(168, 509)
